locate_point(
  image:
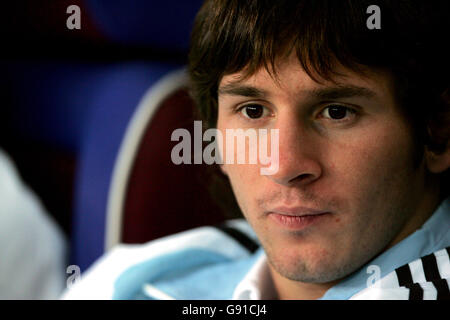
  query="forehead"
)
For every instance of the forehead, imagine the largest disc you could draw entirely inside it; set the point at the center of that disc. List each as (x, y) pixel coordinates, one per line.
(289, 76)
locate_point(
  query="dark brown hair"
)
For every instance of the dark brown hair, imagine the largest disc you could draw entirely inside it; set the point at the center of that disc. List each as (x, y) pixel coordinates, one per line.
(234, 35)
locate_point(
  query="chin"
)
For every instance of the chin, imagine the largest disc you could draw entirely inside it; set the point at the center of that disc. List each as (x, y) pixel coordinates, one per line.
(311, 264)
(311, 273)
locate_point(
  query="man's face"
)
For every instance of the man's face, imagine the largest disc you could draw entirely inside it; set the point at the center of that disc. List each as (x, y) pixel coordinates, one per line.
(346, 187)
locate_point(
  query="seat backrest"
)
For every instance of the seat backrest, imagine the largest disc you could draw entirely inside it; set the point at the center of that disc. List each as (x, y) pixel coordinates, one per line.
(129, 190)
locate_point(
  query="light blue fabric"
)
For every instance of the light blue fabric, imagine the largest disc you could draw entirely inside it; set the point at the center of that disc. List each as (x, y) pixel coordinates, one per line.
(186, 274)
(195, 273)
(216, 282)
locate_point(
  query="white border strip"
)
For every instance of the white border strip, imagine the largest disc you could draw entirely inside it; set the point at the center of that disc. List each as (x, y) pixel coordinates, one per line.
(155, 293)
(145, 110)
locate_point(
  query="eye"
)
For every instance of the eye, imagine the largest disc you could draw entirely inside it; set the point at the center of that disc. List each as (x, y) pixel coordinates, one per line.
(253, 111)
(337, 112)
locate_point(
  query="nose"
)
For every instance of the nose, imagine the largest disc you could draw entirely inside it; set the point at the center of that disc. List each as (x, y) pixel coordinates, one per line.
(299, 155)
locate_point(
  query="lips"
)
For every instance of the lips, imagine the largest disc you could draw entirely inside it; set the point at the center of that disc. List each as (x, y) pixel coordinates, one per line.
(297, 211)
(297, 218)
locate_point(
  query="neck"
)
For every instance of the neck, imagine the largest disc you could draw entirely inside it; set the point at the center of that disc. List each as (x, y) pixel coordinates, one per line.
(424, 208)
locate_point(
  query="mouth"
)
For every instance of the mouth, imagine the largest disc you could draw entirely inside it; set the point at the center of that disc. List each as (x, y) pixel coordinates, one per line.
(297, 218)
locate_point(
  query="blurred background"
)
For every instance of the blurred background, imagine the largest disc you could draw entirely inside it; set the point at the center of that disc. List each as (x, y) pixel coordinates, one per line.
(86, 118)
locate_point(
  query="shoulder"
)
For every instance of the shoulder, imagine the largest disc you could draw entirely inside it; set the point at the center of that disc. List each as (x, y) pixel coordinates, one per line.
(36, 246)
(123, 271)
(21, 211)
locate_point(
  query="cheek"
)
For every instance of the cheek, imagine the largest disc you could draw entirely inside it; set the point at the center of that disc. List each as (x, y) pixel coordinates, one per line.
(378, 153)
(243, 177)
(246, 183)
(374, 172)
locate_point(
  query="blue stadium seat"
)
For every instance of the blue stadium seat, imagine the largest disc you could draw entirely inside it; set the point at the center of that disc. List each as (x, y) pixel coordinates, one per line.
(112, 108)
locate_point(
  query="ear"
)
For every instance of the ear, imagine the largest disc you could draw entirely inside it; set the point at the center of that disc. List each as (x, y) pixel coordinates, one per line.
(438, 162)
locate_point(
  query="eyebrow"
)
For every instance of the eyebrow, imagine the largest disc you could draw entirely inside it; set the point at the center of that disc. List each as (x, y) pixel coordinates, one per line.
(242, 90)
(344, 91)
(327, 93)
